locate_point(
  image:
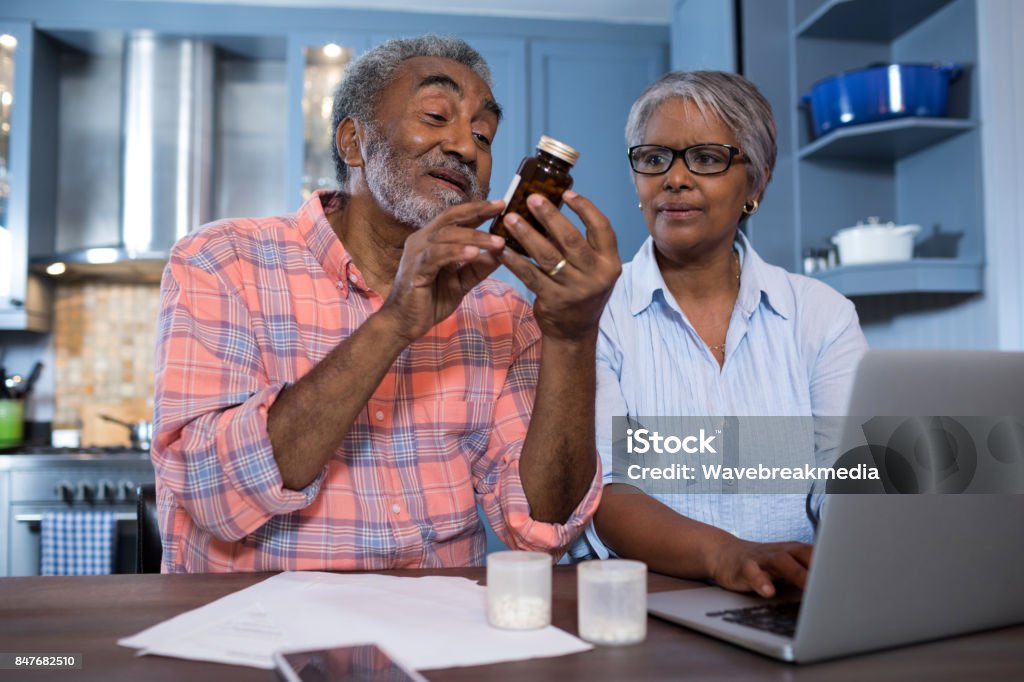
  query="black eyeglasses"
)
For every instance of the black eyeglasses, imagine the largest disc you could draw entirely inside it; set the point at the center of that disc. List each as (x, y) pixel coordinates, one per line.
(701, 159)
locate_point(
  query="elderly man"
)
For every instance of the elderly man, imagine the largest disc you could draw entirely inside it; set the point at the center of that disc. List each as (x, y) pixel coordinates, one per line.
(339, 388)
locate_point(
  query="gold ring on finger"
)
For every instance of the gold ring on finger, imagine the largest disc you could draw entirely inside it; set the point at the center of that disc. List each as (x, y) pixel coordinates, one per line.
(559, 266)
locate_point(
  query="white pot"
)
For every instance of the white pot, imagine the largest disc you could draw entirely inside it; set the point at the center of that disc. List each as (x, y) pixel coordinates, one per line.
(875, 243)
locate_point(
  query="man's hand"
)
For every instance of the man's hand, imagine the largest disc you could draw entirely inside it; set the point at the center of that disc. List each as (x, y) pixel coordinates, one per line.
(440, 264)
(744, 566)
(570, 300)
(572, 279)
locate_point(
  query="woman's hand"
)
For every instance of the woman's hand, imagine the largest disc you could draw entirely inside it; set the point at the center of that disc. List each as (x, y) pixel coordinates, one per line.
(570, 294)
(744, 566)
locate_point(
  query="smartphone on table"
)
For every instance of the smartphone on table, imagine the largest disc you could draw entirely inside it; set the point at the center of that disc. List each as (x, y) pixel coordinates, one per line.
(358, 663)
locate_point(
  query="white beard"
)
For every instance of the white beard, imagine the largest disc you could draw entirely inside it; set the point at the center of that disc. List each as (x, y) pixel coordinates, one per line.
(390, 179)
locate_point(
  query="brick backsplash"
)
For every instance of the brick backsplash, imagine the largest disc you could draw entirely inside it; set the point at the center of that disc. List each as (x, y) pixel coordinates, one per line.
(103, 341)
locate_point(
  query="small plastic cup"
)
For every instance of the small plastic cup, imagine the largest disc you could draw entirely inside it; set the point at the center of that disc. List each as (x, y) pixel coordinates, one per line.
(612, 601)
(519, 590)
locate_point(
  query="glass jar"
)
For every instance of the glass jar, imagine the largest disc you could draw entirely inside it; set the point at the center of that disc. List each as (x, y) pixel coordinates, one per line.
(547, 174)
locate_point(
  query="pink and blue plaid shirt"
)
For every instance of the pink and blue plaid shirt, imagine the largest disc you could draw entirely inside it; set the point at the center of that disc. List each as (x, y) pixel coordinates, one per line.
(248, 307)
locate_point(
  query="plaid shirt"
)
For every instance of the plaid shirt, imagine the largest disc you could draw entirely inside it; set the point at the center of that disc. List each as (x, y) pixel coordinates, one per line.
(247, 308)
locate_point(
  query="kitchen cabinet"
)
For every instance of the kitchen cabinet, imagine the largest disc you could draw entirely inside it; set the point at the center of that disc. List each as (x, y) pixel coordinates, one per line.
(581, 93)
(925, 171)
(26, 165)
(316, 62)
(580, 76)
(871, 20)
(252, 126)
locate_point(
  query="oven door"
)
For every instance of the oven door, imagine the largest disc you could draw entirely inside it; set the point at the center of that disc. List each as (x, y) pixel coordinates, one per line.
(71, 481)
(25, 544)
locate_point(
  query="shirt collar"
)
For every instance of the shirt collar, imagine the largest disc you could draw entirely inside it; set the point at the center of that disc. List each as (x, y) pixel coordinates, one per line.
(759, 282)
(644, 278)
(762, 283)
(323, 243)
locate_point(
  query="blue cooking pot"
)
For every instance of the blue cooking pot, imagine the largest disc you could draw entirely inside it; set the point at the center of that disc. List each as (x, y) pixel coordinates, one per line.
(879, 93)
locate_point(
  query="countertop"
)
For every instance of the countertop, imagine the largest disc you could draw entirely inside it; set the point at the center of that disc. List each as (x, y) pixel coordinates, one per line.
(86, 615)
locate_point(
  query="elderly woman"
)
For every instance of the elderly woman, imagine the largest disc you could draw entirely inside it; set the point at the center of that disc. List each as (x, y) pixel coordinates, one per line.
(698, 324)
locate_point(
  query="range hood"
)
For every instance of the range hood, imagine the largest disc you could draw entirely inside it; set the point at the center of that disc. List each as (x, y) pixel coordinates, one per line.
(166, 160)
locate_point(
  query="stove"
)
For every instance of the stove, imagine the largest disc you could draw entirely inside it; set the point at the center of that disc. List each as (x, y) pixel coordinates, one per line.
(38, 479)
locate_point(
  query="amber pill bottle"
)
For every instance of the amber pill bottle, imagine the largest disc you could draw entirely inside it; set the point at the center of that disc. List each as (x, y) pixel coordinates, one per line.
(547, 174)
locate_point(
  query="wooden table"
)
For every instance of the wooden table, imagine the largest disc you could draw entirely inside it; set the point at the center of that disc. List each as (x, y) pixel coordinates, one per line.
(87, 615)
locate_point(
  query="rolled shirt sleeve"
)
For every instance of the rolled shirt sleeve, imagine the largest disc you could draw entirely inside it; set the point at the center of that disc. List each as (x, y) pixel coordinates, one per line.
(211, 447)
(609, 403)
(496, 474)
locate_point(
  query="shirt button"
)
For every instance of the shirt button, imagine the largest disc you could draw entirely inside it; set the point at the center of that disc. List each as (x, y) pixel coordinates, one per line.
(379, 414)
(395, 508)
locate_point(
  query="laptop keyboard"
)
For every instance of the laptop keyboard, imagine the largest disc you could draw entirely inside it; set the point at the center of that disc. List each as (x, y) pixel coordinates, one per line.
(777, 618)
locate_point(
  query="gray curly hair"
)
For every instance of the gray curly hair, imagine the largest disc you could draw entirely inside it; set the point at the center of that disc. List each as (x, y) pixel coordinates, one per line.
(731, 98)
(369, 75)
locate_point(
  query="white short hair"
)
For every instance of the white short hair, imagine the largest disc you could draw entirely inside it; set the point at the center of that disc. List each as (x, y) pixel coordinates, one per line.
(730, 98)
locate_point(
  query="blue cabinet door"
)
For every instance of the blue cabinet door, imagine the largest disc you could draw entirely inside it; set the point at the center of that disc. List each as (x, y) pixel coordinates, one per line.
(28, 158)
(507, 59)
(580, 94)
(298, 43)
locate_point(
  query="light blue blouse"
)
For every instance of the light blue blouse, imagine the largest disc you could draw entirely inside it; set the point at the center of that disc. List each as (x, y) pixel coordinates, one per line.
(791, 350)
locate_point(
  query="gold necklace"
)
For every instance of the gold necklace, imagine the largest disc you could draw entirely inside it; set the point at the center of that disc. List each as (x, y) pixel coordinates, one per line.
(721, 346)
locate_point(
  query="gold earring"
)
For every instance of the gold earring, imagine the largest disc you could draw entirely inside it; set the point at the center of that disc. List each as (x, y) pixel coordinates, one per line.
(750, 208)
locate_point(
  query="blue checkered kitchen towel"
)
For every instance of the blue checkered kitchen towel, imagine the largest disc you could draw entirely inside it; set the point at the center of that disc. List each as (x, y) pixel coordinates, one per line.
(78, 543)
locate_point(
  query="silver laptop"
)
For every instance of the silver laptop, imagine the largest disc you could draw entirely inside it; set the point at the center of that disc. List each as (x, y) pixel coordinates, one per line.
(890, 570)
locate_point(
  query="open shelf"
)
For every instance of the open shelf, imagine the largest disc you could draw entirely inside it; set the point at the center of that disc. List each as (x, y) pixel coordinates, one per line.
(885, 140)
(873, 20)
(920, 275)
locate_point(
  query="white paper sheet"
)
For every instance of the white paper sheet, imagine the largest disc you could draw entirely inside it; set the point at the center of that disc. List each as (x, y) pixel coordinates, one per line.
(246, 638)
(430, 622)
